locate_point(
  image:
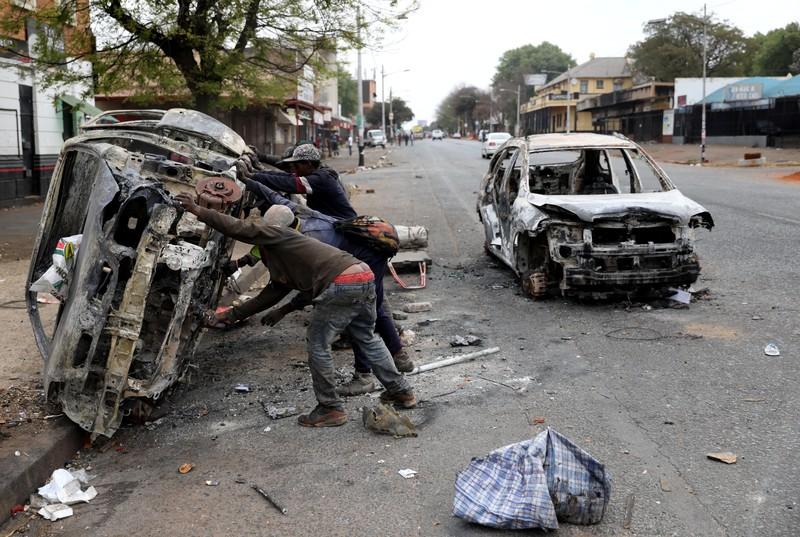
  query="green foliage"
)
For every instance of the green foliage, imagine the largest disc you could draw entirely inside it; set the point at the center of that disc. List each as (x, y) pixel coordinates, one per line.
(525, 60)
(216, 54)
(348, 91)
(675, 49)
(463, 104)
(402, 113)
(775, 50)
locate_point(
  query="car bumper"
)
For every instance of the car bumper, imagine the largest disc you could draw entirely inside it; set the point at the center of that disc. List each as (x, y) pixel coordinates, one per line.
(581, 279)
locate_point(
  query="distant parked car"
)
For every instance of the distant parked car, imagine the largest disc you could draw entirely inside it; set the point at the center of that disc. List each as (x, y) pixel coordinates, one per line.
(456, 135)
(588, 215)
(493, 141)
(376, 138)
(437, 134)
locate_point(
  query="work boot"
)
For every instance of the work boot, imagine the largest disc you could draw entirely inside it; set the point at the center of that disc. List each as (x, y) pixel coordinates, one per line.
(402, 361)
(405, 399)
(323, 416)
(360, 384)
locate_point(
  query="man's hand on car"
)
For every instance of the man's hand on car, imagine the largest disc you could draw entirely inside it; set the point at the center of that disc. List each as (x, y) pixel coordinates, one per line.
(186, 201)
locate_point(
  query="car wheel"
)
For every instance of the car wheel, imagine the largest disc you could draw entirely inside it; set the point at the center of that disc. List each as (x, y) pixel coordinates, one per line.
(534, 284)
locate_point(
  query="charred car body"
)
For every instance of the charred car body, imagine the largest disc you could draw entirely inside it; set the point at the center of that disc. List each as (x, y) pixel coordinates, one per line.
(145, 272)
(587, 214)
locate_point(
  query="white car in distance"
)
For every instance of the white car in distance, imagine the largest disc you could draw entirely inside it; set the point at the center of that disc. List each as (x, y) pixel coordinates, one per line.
(492, 142)
(437, 134)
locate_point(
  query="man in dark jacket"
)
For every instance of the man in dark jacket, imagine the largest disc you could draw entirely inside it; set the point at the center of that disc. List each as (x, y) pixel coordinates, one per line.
(321, 185)
(342, 290)
(321, 227)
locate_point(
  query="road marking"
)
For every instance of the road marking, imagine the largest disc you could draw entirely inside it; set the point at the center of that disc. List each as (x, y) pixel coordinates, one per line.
(781, 218)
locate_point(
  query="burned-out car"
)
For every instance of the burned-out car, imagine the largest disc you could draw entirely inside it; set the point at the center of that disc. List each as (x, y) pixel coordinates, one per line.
(587, 214)
(142, 273)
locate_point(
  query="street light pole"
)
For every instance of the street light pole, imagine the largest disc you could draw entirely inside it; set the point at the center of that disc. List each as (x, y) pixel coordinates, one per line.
(360, 117)
(518, 129)
(383, 104)
(703, 114)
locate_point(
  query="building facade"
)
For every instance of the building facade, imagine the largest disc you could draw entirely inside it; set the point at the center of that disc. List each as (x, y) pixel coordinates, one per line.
(640, 112)
(555, 103)
(34, 119)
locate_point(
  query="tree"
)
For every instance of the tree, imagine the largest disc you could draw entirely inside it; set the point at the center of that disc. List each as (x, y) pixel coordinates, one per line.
(214, 53)
(464, 104)
(674, 49)
(399, 108)
(348, 91)
(775, 50)
(514, 64)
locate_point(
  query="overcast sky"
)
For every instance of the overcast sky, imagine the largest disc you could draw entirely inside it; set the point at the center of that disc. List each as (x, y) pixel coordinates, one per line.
(451, 42)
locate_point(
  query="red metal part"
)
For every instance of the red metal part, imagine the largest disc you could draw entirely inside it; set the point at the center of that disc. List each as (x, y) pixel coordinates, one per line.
(217, 193)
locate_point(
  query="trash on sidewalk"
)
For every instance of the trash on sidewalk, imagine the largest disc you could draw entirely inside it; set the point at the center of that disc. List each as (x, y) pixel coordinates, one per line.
(277, 413)
(681, 296)
(407, 473)
(417, 307)
(55, 511)
(723, 456)
(465, 341)
(412, 237)
(458, 359)
(212, 483)
(241, 388)
(56, 279)
(399, 315)
(65, 487)
(533, 484)
(384, 419)
(772, 350)
(267, 497)
(185, 468)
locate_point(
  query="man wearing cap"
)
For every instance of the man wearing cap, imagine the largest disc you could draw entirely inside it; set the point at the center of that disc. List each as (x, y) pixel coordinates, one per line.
(314, 224)
(321, 185)
(342, 290)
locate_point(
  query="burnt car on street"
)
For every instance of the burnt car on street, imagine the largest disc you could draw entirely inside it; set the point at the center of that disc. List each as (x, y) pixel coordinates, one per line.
(145, 272)
(588, 215)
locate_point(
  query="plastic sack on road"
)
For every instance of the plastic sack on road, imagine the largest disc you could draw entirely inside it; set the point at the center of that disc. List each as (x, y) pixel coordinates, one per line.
(412, 237)
(56, 279)
(533, 484)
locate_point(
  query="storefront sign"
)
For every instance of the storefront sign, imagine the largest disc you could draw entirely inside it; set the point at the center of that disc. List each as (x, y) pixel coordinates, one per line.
(744, 92)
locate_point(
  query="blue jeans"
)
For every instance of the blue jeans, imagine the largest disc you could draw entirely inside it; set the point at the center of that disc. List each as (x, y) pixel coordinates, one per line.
(348, 307)
(384, 324)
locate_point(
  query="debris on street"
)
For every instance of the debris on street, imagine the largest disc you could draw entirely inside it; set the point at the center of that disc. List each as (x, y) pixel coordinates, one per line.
(772, 350)
(267, 497)
(458, 359)
(681, 296)
(417, 307)
(185, 468)
(465, 341)
(407, 473)
(399, 315)
(277, 413)
(212, 483)
(63, 490)
(408, 337)
(510, 488)
(724, 456)
(384, 419)
(55, 511)
(241, 388)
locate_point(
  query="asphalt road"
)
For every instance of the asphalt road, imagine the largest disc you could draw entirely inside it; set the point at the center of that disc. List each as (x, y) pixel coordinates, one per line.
(649, 409)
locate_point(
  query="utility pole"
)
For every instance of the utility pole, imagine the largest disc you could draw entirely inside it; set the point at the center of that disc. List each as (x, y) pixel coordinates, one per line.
(391, 117)
(703, 113)
(383, 104)
(518, 126)
(360, 117)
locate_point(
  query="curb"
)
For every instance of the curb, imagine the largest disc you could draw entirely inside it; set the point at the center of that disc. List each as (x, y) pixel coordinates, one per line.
(42, 453)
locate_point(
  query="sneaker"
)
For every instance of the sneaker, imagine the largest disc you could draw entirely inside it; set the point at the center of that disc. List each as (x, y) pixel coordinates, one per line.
(402, 361)
(405, 399)
(360, 384)
(323, 416)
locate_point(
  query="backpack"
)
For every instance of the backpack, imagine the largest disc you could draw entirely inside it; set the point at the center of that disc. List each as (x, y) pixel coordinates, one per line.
(375, 232)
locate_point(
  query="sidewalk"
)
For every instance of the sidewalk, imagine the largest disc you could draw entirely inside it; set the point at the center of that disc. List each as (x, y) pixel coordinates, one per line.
(720, 155)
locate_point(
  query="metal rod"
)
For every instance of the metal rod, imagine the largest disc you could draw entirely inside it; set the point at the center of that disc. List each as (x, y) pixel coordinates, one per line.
(383, 103)
(453, 360)
(267, 497)
(360, 116)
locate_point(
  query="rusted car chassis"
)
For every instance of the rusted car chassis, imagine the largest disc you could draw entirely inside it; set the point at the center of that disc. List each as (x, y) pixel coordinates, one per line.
(145, 272)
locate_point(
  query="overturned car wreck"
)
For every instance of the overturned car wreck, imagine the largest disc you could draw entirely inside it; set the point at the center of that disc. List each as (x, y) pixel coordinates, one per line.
(588, 214)
(145, 272)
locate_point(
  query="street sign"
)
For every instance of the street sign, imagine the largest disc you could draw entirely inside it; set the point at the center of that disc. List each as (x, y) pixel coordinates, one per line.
(391, 116)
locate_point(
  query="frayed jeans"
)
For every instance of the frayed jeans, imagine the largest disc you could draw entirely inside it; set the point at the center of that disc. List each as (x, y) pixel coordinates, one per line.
(348, 307)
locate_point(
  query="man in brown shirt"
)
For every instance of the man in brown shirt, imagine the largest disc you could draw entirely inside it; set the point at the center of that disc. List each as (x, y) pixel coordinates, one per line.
(342, 290)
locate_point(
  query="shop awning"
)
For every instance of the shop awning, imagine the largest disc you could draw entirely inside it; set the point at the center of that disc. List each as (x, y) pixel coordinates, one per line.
(82, 106)
(289, 119)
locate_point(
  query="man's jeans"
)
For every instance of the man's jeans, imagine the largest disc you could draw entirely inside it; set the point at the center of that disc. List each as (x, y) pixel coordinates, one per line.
(348, 307)
(384, 324)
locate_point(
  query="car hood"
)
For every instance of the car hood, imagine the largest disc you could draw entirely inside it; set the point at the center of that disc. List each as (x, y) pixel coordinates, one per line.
(588, 208)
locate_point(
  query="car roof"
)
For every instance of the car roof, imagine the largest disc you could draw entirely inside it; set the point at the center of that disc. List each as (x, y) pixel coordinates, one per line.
(498, 134)
(576, 140)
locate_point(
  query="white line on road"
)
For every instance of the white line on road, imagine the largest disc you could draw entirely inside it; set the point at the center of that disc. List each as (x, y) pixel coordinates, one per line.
(781, 218)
